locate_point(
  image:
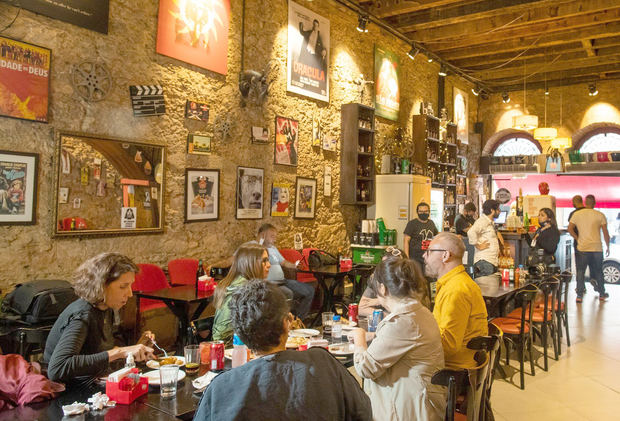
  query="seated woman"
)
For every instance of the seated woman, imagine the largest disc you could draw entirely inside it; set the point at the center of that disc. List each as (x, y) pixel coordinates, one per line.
(80, 345)
(250, 261)
(406, 351)
(279, 384)
(547, 236)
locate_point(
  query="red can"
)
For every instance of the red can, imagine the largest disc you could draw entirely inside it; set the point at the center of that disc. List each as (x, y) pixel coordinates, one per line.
(303, 347)
(353, 313)
(505, 277)
(217, 355)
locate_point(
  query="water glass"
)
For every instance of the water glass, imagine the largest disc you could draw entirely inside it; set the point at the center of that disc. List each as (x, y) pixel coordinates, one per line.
(328, 320)
(168, 377)
(192, 358)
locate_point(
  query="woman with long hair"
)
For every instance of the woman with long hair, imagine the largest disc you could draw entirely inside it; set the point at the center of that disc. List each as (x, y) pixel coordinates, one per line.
(398, 365)
(547, 236)
(250, 261)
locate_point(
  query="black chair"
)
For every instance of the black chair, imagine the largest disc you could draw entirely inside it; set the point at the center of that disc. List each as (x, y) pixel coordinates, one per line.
(561, 310)
(544, 318)
(452, 379)
(201, 329)
(489, 344)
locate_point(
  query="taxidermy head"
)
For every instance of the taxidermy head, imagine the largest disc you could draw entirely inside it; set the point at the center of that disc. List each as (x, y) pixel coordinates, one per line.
(253, 86)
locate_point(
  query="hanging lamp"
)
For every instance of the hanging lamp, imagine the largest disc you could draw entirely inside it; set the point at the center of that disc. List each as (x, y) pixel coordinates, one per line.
(525, 121)
(545, 134)
(561, 143)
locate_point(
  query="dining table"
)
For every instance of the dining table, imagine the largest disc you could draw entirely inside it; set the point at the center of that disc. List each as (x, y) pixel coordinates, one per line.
(496, 294)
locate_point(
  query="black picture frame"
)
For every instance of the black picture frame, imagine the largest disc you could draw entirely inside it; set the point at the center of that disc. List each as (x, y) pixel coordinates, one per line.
(246, 196)
(301, 187)
(194, 197)
(12, 165)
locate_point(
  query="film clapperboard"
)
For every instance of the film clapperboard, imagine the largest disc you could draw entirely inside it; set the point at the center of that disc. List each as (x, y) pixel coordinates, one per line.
(147, 100)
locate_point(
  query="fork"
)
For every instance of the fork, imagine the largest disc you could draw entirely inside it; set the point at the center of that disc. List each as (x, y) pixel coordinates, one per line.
(158, 347)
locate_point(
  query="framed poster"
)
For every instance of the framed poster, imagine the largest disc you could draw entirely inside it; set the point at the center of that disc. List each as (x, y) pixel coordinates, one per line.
(287, 137)
(18, 187)
(196, 111)
(24, 80)
(308, 53)
(195, 32)
(87, 14)
(317, 132)
(280, 194)
(461, 111)
(305, 201)
(202, 195)
(198, 144)
(387, 88)
(260, 134)
(250, 187)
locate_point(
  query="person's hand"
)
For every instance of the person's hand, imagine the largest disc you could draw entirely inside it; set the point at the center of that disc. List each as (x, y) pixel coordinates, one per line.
(483, 245)
(607, 252)
(140, 352)
(359, 337)
(146, 337)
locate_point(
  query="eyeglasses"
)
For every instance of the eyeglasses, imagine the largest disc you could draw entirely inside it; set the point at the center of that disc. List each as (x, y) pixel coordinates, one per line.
(265, 260)
(427, 251)
(393, 251)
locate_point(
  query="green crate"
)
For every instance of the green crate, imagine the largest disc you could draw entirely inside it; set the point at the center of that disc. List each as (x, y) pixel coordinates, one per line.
(367, 255)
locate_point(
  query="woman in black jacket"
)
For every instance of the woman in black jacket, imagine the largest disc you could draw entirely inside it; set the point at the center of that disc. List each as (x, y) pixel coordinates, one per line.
(547, 236)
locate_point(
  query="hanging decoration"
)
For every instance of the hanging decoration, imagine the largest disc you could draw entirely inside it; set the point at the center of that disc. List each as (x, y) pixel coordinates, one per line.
(91, 80)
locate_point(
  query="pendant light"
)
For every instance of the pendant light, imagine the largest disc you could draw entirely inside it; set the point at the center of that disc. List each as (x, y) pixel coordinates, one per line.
(561, 143)
(525, 121)
(545, 134)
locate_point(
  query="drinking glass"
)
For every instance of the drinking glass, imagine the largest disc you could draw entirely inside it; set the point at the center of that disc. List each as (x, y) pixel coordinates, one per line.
(192, 358)
(327, 322)
(205, 353)
(168, 377)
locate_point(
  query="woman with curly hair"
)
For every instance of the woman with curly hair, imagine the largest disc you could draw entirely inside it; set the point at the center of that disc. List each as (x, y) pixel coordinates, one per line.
(80, 345)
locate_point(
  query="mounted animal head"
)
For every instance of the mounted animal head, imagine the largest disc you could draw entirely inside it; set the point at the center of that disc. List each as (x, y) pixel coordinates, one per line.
(253, 86)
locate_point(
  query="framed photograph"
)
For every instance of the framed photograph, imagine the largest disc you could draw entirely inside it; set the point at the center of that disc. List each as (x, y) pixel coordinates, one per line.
(196, 111)
(18, 187)
(260, 134)
(287, 139)
(250, 187)
(198, 144)
(280, 195)
(24, 80)
(305, 201)
(202, 195)
(461, 104)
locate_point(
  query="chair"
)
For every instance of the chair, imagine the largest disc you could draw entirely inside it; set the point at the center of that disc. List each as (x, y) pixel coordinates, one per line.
(561, 311)
(202, 329)
(490, 344)
(150, 278)
(451, 379)
(518, 332)
(183, 271)
(292, 256)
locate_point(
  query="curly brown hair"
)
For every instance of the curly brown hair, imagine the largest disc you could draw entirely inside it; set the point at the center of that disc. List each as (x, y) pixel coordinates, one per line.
(93, 275)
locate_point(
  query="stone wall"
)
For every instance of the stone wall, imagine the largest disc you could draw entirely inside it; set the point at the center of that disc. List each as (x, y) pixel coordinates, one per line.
(129, 52)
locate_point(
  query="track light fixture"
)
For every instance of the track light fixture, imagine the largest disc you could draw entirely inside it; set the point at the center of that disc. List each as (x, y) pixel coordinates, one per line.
(592, 89)
(476, 90)
(362, 21)
(430, 59)
(547, 91)
(505, 97)
(443, 71)
(413, 52)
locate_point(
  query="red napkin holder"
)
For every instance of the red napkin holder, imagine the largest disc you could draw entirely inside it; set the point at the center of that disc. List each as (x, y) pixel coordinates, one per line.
(207, 286)
(126, 396)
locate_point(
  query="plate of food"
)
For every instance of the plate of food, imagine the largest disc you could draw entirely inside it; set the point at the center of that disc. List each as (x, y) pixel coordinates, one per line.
(228, 354)
(295, 341)
(153, 377)
(304, 333)
(171, 360)
(345, 348)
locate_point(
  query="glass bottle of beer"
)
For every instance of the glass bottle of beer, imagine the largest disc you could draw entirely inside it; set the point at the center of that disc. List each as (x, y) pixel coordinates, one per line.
(199, 273)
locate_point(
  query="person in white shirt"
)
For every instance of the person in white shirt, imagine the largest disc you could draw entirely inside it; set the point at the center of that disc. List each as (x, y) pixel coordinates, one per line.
(486, 240)
(585, 227)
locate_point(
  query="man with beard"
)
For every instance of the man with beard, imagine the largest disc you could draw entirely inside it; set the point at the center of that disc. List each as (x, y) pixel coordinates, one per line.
(484, 237)
(418, 234)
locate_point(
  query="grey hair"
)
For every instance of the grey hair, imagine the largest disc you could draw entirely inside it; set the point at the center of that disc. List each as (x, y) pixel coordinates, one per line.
(452, 242)
(96, 273)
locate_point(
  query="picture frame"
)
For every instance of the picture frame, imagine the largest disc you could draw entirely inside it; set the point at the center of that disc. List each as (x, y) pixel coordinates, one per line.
(198, 144)
(250, 192)
(18, 187)
(198, 111)
(260, 135)
(202, 195)
(305, 198)
(287, 141)
(280, 199)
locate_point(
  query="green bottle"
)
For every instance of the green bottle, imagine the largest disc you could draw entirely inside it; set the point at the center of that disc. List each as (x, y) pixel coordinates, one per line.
(526, 222)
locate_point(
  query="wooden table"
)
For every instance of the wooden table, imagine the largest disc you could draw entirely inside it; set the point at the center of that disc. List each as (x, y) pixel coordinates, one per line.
(496, 296)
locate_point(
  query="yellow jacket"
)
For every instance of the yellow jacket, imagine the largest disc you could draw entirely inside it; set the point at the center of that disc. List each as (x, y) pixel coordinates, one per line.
(461, 315)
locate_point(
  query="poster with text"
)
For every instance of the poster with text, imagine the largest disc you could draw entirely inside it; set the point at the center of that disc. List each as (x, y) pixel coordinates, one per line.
(280, 195)
(195, 32)
(287, 141)
(87, 14)
(387, 88)
(18, 185)
(461, 105)
(308, 53)
(24, 80)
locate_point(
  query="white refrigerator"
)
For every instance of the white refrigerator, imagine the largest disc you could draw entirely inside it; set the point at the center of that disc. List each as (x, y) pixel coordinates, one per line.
(397, 196)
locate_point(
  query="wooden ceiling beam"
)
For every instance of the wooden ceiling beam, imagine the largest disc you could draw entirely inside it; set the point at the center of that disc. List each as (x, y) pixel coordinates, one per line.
(387, 8)
(587, 45)
(566, 81)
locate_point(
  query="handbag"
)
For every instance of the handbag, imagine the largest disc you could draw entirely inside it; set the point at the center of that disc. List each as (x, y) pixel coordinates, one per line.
(318, 258)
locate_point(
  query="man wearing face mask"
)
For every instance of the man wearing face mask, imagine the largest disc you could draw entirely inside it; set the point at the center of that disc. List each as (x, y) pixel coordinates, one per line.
(418, 234)
(484, 237)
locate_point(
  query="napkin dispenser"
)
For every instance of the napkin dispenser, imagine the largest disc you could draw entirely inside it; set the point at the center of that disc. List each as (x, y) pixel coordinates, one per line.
(115, 389)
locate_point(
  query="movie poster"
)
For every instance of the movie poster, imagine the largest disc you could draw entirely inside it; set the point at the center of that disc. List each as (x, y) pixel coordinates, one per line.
(85, 13)
(387, 89)
(280, 194)
(287, 141)
(460, 115)
(308, 53)
(24, 80)
(195, 32)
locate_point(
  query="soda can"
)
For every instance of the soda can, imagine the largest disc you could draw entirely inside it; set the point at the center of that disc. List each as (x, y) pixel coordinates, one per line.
(302, 347)
(353, 312)
(217, 355)
(376, 318)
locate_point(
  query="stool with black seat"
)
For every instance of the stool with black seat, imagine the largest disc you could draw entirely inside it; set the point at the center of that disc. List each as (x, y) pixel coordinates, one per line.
(561, 309)
(518, 332)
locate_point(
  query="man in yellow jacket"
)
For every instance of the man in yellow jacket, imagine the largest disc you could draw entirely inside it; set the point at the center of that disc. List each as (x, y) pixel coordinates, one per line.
(459, 307)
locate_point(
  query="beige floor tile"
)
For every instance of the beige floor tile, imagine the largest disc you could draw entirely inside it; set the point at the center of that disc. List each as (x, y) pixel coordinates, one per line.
(558, 414)
(598, 412)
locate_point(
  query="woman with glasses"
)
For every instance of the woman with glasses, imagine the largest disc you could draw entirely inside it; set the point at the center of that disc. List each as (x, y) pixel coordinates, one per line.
(398, 365)
(250, 261)
(369, 301)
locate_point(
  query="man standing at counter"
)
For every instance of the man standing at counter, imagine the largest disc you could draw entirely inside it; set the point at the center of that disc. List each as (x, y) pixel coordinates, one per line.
(579, 258)
(484, 237)
(418, 234)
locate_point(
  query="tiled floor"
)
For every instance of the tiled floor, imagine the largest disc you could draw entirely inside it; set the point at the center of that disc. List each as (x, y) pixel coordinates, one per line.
(584, 384)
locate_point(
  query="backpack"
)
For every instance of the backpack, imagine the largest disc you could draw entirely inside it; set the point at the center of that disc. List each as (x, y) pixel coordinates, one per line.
(318, 258)
(38, 301)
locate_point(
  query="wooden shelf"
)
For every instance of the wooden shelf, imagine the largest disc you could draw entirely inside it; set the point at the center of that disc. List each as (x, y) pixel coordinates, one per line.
(452, 205)
(451, 144)
(362, 129)
(365, 154)
(461, 176)
(359, 177)
(461, 195)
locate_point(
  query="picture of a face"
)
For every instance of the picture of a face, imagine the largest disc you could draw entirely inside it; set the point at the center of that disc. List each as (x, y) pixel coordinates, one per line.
(250, 192)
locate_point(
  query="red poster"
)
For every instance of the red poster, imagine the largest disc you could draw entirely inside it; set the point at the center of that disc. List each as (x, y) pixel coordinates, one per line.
(24, 80)
(195, 31)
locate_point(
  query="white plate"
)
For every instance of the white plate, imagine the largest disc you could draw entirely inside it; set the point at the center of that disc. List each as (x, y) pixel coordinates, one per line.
(345, 348)
(154, 364)
(349, 327)
(304, 333)
(153, 377)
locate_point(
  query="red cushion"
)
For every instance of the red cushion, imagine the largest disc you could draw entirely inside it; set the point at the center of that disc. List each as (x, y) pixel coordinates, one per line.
(510, 326)
(150, 278)
(292, 256)
(183, 271)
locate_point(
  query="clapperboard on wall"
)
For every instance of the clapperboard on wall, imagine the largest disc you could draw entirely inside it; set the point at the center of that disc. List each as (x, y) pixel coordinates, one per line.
(147, 100)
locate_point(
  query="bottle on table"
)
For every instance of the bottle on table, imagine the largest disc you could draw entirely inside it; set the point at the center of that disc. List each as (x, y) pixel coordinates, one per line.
(336, 328)
(199, 273)
(517, 276)
(130, 361)
(241, 353)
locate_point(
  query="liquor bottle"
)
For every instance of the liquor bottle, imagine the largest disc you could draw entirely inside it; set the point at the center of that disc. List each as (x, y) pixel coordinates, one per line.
(520, 203)
(526, 222)
(200, 272)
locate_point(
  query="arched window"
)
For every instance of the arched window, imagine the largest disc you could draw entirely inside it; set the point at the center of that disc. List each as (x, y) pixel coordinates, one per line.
(514, 146)
(601, 142)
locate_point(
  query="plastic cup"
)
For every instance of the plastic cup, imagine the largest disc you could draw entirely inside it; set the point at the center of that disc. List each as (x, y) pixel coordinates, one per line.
(192, 358)
(168, 377)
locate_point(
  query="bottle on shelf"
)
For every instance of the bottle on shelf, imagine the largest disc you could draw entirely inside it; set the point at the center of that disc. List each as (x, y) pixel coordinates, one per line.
(520, 203)
(526, 222)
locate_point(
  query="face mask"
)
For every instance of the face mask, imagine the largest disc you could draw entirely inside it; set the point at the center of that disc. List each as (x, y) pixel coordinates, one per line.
(543, 223)
(423, 216)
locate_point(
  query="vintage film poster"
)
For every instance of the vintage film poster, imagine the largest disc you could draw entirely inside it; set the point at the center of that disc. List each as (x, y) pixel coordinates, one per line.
(308, 53)
(18, 187)
(461, 105)
(250, 187)
(305, 201)
(287, 139)
(202, 190)
(87, 14)
(24, 80)
(387, 87)
(196, 111)
(198, 144)
(195, 32)
(317, 132)
(280, 195)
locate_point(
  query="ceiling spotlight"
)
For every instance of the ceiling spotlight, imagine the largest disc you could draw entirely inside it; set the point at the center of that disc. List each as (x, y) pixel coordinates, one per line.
(547, 91)
(443, 71)
(362, 21)
(505, 97)
(476, 90)
(430, 59)
(413, 52)
(592, 89)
